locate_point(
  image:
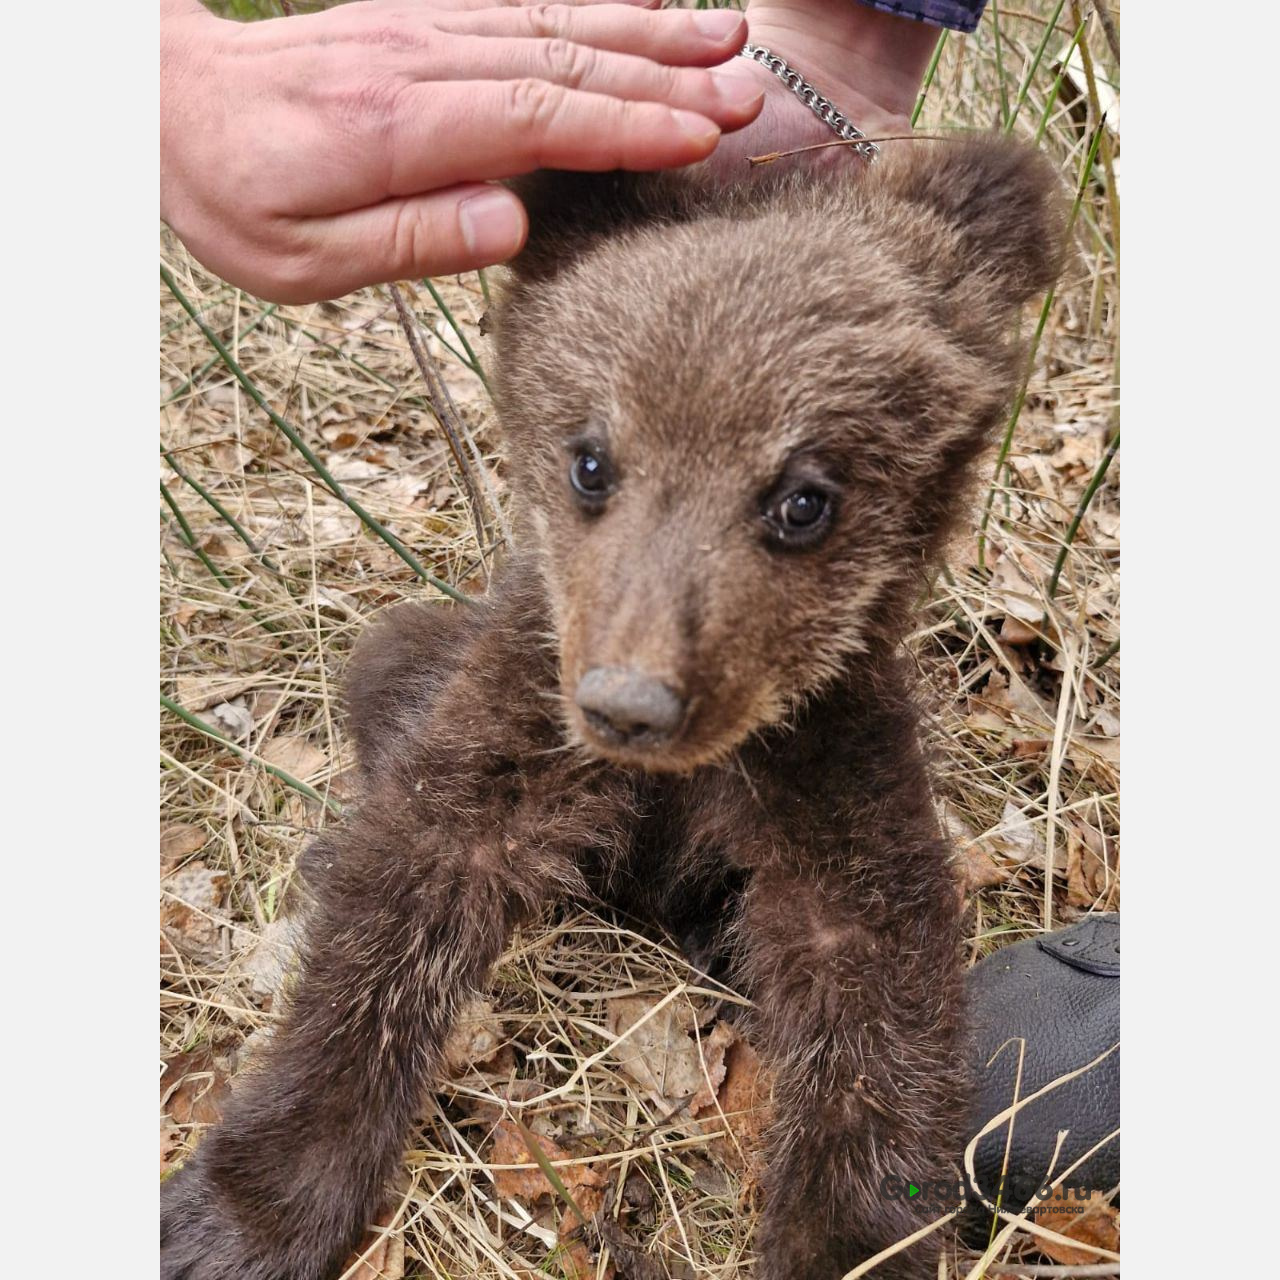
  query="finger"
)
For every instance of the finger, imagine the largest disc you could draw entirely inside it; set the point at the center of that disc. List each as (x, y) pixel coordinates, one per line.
(479, 130)
(458, 229)
(677, 37)
(460, 6)
(730, 100)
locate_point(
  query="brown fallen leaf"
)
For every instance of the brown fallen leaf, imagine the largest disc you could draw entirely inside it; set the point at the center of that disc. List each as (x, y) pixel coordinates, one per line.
(170, 1142)
(665, 1056)
(180, 840)
(583, 1182)
(576, 1262)
(1099, 1225)
(1010, 696)
(269, 958)
(745, 1101)
(380, 1255)
(476, 1038)
(295, 754)
(198, 692)
(190, 911)
(1014, 592)
(979, 870)
(195, 1085)
(1016, 632)
(974, 866)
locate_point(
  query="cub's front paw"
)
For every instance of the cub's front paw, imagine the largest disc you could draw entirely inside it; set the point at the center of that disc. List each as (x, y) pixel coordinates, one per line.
(198, 1241)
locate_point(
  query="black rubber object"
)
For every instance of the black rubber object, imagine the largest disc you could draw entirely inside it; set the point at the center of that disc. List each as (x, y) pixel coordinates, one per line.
(1061, 994)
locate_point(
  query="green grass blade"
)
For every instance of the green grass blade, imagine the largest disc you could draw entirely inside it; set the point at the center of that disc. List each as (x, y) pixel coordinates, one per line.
(471, 360)
(291, 434)
(1025, 87)
(1086, 171)
(236, 527)
(1086, 498)
(929, 75)
(257, 322)
(245, 754)
(1004, 91)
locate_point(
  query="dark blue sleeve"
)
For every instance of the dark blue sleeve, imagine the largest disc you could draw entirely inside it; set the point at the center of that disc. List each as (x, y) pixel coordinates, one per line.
(959, 15)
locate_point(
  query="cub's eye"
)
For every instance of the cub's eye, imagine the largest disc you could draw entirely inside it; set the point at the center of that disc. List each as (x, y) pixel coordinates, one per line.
(798, 517)
(591, 474)
(802, 509)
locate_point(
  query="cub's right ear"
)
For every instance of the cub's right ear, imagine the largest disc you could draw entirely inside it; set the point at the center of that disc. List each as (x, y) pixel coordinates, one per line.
(1001, 198)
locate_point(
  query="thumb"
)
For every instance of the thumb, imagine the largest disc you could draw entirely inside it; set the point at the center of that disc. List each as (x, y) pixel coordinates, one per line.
(443, 232)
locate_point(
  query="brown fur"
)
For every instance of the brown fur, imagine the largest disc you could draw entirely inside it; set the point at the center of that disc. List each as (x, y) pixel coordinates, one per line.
(854, 333)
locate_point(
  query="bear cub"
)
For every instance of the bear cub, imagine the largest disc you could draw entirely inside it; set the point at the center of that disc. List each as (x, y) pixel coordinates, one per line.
(738, 424)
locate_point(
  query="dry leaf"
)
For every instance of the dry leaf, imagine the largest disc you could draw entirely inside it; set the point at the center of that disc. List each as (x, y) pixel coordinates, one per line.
(196, 693)
(234, 719)
(296, 755)
(170, 1142)
(1014, 593)
(1011, 695)
(1098, 1225)
(380, 1255)
(190, 915)
(1018, 836)
(584, 1182)
(270, 957)
(194, 1085)
(1013, 631)
(745, 1103)
(664, 1057)
(180, 840)
(975, 867)
(476, 1038)
(979, 869)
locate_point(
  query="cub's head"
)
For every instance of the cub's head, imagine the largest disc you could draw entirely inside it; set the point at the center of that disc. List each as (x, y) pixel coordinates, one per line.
(737, 426)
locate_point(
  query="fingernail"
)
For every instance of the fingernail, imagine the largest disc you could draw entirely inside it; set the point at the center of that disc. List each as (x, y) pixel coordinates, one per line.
(696, 127)
(491, 224)
(737, 91)
(717, 24)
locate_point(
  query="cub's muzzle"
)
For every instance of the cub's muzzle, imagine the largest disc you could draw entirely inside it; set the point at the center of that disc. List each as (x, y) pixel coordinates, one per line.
(625, 707)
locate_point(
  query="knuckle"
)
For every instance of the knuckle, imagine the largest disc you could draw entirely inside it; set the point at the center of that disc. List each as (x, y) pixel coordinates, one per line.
(531, 104)
(365, 103)
(567, 63)
(545, 19)
(411, 240)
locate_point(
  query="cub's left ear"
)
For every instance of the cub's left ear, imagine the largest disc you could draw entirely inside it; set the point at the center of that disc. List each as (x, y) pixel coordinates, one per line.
(993, 206)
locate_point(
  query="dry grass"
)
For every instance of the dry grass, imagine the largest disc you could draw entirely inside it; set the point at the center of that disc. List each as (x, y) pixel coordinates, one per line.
(253, 643)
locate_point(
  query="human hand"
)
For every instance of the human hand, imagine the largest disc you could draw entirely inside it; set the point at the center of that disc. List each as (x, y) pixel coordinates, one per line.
(304, 157)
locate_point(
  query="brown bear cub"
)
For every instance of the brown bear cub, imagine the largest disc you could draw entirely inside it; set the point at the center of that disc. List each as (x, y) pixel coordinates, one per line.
(738, 424)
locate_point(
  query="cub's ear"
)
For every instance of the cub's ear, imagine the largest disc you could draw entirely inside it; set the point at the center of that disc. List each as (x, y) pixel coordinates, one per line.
(1001, 201)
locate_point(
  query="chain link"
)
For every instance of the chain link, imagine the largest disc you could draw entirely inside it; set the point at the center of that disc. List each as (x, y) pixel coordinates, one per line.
(823, 108)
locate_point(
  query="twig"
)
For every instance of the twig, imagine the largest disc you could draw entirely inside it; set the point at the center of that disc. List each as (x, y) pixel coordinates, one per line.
(1109, 28)
(1053, 1269)
(442, 406)
(770, 156)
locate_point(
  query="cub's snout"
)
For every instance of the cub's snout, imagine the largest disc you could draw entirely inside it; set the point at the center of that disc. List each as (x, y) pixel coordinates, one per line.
(623, 707)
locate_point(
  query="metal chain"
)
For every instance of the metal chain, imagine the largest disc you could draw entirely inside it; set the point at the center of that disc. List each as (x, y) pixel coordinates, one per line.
(823, 108)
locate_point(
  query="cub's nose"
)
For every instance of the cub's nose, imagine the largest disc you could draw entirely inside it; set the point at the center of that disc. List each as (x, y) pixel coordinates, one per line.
(625, 706)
